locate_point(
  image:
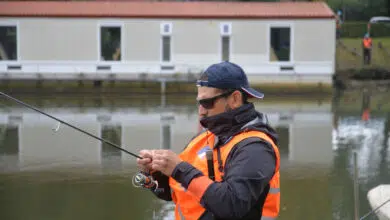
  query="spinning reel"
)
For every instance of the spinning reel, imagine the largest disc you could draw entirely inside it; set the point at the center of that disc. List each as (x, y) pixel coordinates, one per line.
(143, 179)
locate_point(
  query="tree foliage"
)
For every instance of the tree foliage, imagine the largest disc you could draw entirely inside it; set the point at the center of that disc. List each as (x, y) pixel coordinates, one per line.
(361, 10)
(354, 10)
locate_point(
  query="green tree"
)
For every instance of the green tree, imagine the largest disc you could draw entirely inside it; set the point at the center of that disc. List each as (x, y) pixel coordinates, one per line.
(388, 8)
(360, 10)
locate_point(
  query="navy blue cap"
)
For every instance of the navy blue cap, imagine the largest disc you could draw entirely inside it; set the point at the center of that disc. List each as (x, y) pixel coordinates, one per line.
(227, 75)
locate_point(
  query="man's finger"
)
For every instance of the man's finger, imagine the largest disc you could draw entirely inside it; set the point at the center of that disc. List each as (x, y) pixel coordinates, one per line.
(146, 154)
(145, 161)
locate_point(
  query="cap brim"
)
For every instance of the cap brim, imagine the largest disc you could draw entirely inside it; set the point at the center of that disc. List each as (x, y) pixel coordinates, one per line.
(253, 93)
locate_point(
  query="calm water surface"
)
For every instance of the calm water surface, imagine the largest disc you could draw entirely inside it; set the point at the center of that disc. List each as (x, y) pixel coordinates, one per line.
(64, 174)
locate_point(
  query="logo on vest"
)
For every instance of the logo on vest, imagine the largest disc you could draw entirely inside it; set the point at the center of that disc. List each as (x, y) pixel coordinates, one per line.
(202, 152)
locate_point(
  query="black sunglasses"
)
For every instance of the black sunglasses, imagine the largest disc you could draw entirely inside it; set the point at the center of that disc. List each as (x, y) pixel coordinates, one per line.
(209, 102)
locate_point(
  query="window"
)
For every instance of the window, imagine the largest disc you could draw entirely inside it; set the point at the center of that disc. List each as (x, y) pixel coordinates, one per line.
(225, 48)
(225, 41)
(226, 29)
(110, 43)
(8, 43)
(280, 44)
(166, 47)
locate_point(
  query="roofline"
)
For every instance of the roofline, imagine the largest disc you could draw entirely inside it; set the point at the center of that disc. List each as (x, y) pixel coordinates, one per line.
(96, 12)
(170, 17)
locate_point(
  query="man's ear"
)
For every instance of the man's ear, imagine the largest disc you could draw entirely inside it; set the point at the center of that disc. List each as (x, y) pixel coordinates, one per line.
(236, 99)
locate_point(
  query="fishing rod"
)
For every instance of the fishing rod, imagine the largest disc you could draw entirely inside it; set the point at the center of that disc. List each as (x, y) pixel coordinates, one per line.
(374, 210)
(140, 179)
(72, 126)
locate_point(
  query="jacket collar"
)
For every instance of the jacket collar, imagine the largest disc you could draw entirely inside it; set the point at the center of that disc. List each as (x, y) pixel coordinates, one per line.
(228, 123)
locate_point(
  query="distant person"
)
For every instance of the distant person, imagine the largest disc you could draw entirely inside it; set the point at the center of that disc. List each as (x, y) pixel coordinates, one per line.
(117, 51)
(338, 25)
(117, 55)
(367, 46)
(241, 181)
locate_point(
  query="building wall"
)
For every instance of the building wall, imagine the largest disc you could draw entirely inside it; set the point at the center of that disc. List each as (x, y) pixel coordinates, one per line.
(314, 40)
(142, 40)
(195, 41)
(249, 42)
(49, 45)
(57, 39)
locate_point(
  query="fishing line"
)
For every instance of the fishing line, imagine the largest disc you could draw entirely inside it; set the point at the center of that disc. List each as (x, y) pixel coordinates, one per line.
(141, 179)
(70, 125)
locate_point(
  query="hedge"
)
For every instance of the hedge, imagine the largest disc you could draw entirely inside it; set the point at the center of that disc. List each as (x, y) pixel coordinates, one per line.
(362, 74)
(359, 29)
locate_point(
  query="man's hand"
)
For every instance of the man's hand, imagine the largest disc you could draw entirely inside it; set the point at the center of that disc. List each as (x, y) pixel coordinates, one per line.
(165, 161)
(145, 164)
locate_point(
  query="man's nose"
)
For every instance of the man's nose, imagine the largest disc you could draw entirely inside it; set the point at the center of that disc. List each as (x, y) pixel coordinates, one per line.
(202, 110)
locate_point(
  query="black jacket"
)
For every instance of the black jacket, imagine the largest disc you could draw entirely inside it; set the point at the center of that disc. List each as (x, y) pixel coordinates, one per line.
(247, 172)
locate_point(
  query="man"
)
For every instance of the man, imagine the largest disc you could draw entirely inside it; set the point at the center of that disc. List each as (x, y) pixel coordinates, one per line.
(367, 45)
(242, 179)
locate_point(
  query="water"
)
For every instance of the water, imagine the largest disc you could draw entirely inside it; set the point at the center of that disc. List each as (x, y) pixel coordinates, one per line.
(50, 173)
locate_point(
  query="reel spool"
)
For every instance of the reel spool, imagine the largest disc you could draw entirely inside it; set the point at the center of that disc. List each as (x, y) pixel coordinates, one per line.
(141, 179)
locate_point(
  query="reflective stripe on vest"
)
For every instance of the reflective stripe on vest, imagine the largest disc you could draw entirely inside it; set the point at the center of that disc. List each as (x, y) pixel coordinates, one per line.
(195, 154)
(181, 216)
(274, 190)
(267, 218)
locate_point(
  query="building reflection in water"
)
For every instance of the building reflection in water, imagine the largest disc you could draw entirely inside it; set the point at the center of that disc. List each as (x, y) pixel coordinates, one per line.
(9, 147)
(111, 156)
(315, 140)
(33, 140)
(304, 129)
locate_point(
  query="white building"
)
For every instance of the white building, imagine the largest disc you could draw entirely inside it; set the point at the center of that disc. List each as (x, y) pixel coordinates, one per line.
(285, 41)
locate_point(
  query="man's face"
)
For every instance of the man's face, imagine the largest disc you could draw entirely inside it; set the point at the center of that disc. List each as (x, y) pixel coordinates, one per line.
(213, 101)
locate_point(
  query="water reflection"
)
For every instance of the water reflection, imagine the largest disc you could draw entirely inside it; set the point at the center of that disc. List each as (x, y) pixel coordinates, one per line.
(9, 147)
(361, 124)
(110, 156)
(66, 169)
(37, 142)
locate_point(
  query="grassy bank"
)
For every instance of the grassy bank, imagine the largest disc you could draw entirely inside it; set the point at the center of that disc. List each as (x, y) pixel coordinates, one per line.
(349, 54)
(177, 103)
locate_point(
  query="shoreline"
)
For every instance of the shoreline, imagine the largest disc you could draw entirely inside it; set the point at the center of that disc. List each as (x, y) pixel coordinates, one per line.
(150, 87)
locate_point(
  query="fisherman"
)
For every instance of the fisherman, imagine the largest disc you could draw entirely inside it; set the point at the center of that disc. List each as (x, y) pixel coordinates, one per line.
(241, 180)
(367, 46)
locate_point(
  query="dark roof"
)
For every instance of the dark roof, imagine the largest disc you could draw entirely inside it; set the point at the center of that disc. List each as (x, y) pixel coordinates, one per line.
(169, 9)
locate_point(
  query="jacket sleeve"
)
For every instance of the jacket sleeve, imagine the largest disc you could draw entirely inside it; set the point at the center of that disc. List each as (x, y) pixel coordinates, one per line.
(163, 191)
(247, 174)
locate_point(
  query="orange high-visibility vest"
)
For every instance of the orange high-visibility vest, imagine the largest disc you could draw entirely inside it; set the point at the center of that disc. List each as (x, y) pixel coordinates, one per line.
(188, 205)
(367, 42)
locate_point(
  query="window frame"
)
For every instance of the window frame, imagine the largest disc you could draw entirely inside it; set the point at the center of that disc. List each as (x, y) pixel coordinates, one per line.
(163, 34)
(225, 34)
(112, 24)
(280, 25)
(17, 25)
